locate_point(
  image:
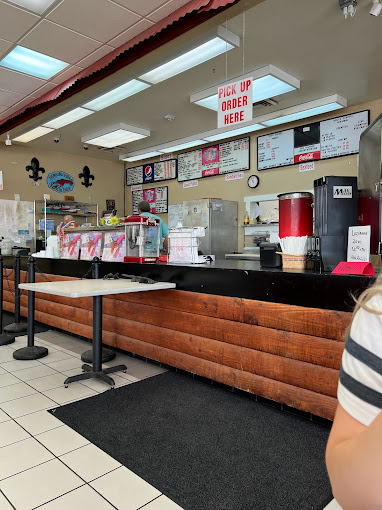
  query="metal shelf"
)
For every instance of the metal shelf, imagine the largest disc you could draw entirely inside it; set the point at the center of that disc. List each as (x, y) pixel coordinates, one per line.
(65, 202)
(68, 213)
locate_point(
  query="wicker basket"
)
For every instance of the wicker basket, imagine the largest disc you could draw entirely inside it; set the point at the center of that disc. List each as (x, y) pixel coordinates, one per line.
(293, 261)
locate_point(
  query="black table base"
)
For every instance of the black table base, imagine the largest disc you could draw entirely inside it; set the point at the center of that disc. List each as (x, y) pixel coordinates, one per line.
(16, 327)
(31, 352)
(6, 338)
(107, 355)
(89, 373)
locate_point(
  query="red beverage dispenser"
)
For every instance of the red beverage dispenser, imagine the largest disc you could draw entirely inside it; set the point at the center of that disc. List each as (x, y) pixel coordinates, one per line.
(295, 214)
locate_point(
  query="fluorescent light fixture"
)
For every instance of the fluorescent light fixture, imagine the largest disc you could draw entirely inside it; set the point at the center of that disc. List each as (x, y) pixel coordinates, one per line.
(268, 81)
(115, 135)
(218, 41)
(33, 63)
(138, 157)
(31, 135)
(114, 96)
(180, 146)
(234, 132)
(38, 6)
(68, 118)
(302, 111)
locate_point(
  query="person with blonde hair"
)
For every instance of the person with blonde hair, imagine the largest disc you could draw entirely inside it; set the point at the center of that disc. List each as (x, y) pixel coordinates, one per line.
(354, 449)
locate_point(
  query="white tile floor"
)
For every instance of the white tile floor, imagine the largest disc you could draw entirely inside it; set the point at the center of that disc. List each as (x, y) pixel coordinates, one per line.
(45, 464)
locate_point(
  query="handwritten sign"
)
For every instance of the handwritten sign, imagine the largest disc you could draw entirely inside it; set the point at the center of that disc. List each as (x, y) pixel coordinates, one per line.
(235, 103)
(359, 244)
(354, 268)
(234, 176)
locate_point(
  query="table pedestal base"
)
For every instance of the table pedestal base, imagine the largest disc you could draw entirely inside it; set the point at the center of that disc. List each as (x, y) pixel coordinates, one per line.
(31, 352)
(107, 355)
(6, 338)
(89, 373)
(16, 327)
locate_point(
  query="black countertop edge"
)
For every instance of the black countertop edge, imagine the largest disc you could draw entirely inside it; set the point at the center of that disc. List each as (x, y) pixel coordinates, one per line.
(233, 278)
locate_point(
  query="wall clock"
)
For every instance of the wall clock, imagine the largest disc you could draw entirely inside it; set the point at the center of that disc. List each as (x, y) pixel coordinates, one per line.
(253, 181)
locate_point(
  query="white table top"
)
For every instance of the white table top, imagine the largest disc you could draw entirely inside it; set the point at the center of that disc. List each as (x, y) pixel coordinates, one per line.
(85, 288)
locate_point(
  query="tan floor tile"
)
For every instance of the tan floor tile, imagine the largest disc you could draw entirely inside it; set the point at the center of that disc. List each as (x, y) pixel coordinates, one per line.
(15, 391)
(11, 432)
(74, 391)
(90, 462)
(62, 440)
(27, 405)
(162, 503)
(20, 456)
(82, 498)
(37, 423)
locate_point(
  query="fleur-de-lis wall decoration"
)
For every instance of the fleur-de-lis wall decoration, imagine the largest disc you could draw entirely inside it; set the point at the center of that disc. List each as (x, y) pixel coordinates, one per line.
(34, 167)
(86, 176)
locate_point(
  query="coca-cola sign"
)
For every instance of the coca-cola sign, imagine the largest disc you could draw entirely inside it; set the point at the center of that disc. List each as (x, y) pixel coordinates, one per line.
(308, 156)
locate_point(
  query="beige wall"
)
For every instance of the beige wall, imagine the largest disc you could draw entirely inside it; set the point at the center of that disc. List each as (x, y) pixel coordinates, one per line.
(277, 180)
(107, 183)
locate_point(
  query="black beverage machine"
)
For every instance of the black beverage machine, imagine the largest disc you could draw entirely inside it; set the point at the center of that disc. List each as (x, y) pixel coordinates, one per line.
(335, 210)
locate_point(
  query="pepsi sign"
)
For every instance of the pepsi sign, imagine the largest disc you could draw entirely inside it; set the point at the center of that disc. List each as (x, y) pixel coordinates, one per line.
(148, 173)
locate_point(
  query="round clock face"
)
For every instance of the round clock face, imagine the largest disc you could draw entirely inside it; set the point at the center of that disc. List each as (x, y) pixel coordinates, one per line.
(253, 181)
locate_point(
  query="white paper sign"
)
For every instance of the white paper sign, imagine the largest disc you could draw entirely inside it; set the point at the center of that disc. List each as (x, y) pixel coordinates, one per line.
(137, 187)
(1, 181)
(235, 103)
(233, 177)
(306, 167)
(190, 184)
(359, 244)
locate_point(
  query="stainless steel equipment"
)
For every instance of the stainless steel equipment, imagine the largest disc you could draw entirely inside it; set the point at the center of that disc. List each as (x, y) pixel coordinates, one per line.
(219, 217)
(369, 183)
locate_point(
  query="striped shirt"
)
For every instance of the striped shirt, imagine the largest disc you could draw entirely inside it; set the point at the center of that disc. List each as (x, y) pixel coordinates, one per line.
(360, 384)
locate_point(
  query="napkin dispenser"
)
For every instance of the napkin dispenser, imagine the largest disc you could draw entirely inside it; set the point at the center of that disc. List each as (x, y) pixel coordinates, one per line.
(268, 255)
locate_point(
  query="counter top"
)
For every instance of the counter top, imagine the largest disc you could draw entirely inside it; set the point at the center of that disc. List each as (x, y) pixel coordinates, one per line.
(234, 278)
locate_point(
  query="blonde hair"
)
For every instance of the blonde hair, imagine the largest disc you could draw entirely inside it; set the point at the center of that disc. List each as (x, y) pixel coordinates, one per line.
(361, 302)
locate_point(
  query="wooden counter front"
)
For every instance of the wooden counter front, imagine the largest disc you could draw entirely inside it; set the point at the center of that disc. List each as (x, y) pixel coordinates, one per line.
(289, 354)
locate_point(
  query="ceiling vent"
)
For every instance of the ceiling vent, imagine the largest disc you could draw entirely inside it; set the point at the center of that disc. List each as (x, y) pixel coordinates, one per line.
(265, 103)
(113, 150)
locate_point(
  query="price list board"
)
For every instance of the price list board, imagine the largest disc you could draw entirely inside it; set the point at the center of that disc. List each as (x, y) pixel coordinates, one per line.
(332, 138)
(341, 135)
(218, 159)
(152, 172)
(275, 150)
(134, 175)
(156, 197)
(165, 170)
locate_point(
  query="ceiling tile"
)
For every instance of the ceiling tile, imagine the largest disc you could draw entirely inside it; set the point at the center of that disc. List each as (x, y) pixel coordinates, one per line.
(99, 19)
(65, 75)
(9, 98)
(167, 9)
(142, 8)
(4, 47)
(130, 33)
(59, 42)
(14, 22)
(96, 55)
(19, 82)
(24, 102)
(44, 89)
(3, 108)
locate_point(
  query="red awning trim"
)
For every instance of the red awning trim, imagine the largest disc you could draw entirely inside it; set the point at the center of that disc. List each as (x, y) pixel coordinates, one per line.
(180, 21)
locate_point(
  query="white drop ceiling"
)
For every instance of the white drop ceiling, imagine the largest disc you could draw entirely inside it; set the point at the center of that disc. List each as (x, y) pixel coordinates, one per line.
(308, 39)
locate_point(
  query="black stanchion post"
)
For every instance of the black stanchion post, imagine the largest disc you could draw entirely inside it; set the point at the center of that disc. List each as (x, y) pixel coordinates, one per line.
(17, 327)
(107, 354)
(31, 351)
(5, 338)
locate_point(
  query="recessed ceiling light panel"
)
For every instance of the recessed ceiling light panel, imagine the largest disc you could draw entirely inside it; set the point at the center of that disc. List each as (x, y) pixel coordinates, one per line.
(113, 136)
(118, 94)
(68, 118)
(33, 63)
(38, 6)
(234, 132)
(33, 134)
(182, 145)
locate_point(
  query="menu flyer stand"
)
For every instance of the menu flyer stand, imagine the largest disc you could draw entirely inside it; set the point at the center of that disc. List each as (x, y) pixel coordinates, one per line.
(5, 338)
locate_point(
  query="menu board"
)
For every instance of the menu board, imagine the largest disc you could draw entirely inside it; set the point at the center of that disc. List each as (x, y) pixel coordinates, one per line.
(218, 159)
(321, 140)
(165, 170)
(156, 197)
(275, 150)
(151, 172)
(341, 135)
(134, 175)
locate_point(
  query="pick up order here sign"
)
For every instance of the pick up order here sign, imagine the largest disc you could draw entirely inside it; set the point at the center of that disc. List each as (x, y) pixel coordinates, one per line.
(235, 103)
